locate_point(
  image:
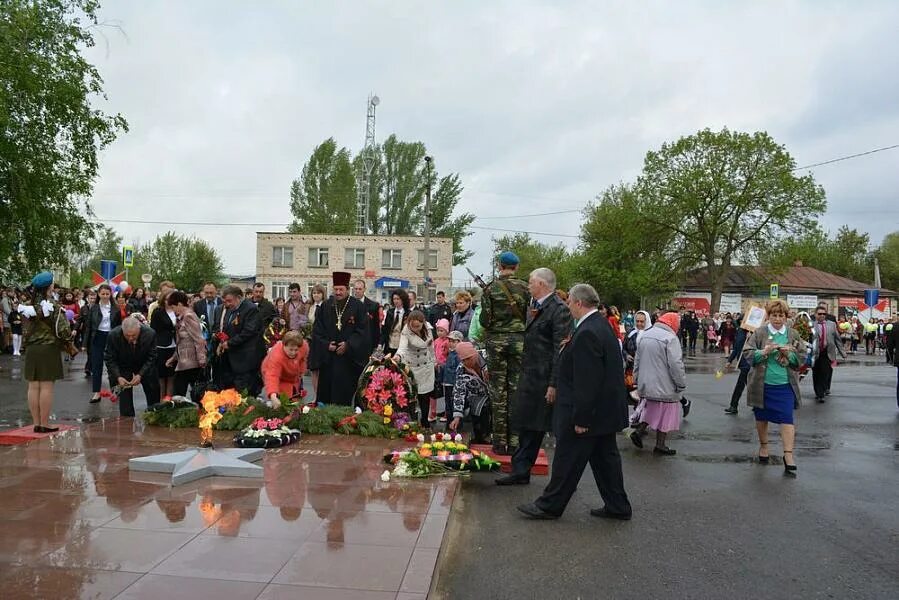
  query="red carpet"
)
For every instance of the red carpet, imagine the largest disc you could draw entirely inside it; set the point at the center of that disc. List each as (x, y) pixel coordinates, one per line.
(23, 435)
(541, 467)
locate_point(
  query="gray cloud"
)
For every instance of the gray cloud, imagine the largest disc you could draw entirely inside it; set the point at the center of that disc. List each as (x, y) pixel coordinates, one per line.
(226, 100)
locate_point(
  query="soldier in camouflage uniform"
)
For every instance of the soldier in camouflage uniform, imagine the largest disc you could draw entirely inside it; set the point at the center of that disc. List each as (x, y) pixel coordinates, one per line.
(503, 312)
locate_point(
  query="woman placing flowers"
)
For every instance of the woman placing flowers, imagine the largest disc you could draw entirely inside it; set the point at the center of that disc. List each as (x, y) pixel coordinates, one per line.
(284, 366)
(470, 393)
(416, 349)
(774, 352)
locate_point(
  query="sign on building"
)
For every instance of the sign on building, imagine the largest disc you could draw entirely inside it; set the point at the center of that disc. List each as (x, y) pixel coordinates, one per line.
(802, 301)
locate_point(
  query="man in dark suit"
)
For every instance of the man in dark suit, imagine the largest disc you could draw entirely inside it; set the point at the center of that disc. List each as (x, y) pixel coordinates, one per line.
(206, 307)
(827, 345)
(267, 311)
(341, 332)
(236, 342)
(591, 407)
(373, 312)
(548, 322)
(130, 358)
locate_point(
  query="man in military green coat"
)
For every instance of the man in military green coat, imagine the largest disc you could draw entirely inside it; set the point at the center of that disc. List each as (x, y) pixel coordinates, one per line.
(503, 315)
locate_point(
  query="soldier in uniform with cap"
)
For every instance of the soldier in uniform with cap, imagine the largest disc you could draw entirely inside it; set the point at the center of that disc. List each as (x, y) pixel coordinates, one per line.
(341, 336)
(503, 310)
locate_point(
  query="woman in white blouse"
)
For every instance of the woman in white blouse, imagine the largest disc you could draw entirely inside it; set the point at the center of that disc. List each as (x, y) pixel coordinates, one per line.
(102, 319)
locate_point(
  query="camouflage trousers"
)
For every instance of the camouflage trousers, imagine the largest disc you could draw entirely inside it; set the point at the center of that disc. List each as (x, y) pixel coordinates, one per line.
(504, 352)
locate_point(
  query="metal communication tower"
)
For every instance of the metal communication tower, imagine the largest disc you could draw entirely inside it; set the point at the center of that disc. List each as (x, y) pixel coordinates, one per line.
(363, 197)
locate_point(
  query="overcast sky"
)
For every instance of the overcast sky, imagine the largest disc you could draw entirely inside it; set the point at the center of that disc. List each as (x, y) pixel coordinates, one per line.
(537, 105)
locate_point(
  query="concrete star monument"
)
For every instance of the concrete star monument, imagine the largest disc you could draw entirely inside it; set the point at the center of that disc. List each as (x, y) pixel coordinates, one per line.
(190, 465)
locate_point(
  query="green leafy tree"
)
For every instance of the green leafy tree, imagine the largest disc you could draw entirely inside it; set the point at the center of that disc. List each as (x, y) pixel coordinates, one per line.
(323, 199)
(847, 253)
(533, 255)
(50, 133)
(888, 257)
(725, 196)
(628, 259)
(187, 262)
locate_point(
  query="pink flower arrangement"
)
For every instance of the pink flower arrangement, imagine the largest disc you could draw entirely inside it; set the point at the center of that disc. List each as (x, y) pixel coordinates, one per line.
(386, 387)
(270, 424)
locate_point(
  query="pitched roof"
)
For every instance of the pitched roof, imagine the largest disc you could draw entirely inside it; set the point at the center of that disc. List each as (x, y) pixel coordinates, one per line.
(795, 279)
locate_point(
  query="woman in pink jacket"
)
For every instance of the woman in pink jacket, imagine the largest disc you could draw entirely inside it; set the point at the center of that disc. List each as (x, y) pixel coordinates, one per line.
(283, 368)
(189, 358)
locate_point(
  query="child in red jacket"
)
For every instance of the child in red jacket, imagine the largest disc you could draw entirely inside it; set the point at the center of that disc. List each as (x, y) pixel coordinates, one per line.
(283, 368)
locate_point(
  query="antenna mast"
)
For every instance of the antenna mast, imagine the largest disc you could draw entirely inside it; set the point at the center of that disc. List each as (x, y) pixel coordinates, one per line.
(363, 198)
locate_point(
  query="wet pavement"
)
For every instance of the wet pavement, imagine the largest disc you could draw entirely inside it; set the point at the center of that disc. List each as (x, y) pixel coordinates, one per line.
(710, 522)
(75, 523)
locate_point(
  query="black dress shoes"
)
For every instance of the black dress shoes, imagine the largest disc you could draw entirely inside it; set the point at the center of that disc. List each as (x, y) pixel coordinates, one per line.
(513, 479)
(602, 513)
(531, 511)
(664, 451)
(730, 410)
(635, 439)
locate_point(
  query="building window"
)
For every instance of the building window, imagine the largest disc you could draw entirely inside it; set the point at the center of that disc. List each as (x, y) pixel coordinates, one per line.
(279, 289)
(432, 264)
(355, 258)
(282, 256)
(391, 259)
(318, 257)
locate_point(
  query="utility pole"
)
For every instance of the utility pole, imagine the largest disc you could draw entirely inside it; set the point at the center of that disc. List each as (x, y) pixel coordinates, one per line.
(427, 251)
(363, 190)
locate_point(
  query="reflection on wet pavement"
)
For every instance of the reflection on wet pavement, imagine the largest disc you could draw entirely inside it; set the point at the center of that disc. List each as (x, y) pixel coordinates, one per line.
(76, 523)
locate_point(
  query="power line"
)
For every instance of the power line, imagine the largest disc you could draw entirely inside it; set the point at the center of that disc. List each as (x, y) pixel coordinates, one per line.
(565, 235)
(557, 212)
(842, 158)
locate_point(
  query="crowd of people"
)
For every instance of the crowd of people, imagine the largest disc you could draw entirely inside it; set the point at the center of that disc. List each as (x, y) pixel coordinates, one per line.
(517, 359)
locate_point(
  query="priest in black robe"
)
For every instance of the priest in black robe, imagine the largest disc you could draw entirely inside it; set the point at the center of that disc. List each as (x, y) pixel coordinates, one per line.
(341, 335)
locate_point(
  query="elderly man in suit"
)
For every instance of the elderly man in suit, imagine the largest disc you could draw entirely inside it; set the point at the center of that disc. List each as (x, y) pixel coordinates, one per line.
(236, 342)
(548, 322)
(130, 358)
(205, 307)
(591, 407)
(827, 346)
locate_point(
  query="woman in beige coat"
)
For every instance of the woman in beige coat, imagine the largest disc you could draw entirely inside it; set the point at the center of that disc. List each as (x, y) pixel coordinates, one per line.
(417, 351)
(190, 353)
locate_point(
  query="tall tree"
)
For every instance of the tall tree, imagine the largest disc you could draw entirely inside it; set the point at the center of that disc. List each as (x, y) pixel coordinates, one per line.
(187, 262)
(50, 133)
(323, 199)
(443, 204)
(888, 257)
(725, 196)
(847, 253)
(533, 255)
(628, 259)
(403, 174)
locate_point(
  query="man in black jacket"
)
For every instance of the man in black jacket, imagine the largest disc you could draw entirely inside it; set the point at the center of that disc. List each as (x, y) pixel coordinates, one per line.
(440, 310)
(373, 312)
(548, 323)
(341, 332)
(205, 308)
(236, 342)
(267, 311)
(130, 359)
(591, 407)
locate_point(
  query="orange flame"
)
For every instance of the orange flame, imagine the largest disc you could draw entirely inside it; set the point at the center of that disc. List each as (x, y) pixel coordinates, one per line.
(211, 403)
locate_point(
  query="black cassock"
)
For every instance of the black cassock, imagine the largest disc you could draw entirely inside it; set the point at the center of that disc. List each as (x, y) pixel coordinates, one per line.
(338, 375)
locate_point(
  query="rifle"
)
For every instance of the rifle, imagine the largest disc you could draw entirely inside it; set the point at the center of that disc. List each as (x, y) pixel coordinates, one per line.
(477, 279)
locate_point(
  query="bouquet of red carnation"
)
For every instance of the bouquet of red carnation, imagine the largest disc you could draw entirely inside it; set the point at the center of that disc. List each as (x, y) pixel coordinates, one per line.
(221, 336)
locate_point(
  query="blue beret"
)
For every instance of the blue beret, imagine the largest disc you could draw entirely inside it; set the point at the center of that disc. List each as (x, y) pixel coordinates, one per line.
(42, 279)
(508, 258)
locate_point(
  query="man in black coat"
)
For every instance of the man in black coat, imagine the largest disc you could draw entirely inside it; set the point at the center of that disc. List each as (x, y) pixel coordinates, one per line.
(341, 332)
(440, 310)
(548, 322)
(591, 407)
(130, 359)
(373, 314)
(267, 311)
(236, 342)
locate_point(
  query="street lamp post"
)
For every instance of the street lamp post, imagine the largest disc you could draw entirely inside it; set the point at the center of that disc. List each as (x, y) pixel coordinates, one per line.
(427, 250)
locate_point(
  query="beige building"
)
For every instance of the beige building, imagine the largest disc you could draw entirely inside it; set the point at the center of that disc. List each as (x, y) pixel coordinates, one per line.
(384, 262)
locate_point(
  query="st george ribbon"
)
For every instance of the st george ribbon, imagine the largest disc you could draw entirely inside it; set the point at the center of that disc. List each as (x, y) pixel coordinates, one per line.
(190, 465)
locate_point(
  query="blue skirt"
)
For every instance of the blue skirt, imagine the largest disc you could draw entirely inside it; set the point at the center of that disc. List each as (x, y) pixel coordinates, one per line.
(779, 403)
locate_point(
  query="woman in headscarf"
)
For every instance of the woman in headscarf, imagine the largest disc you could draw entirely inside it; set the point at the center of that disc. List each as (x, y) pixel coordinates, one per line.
(46, 331)
(661, 380)
(642, 322)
